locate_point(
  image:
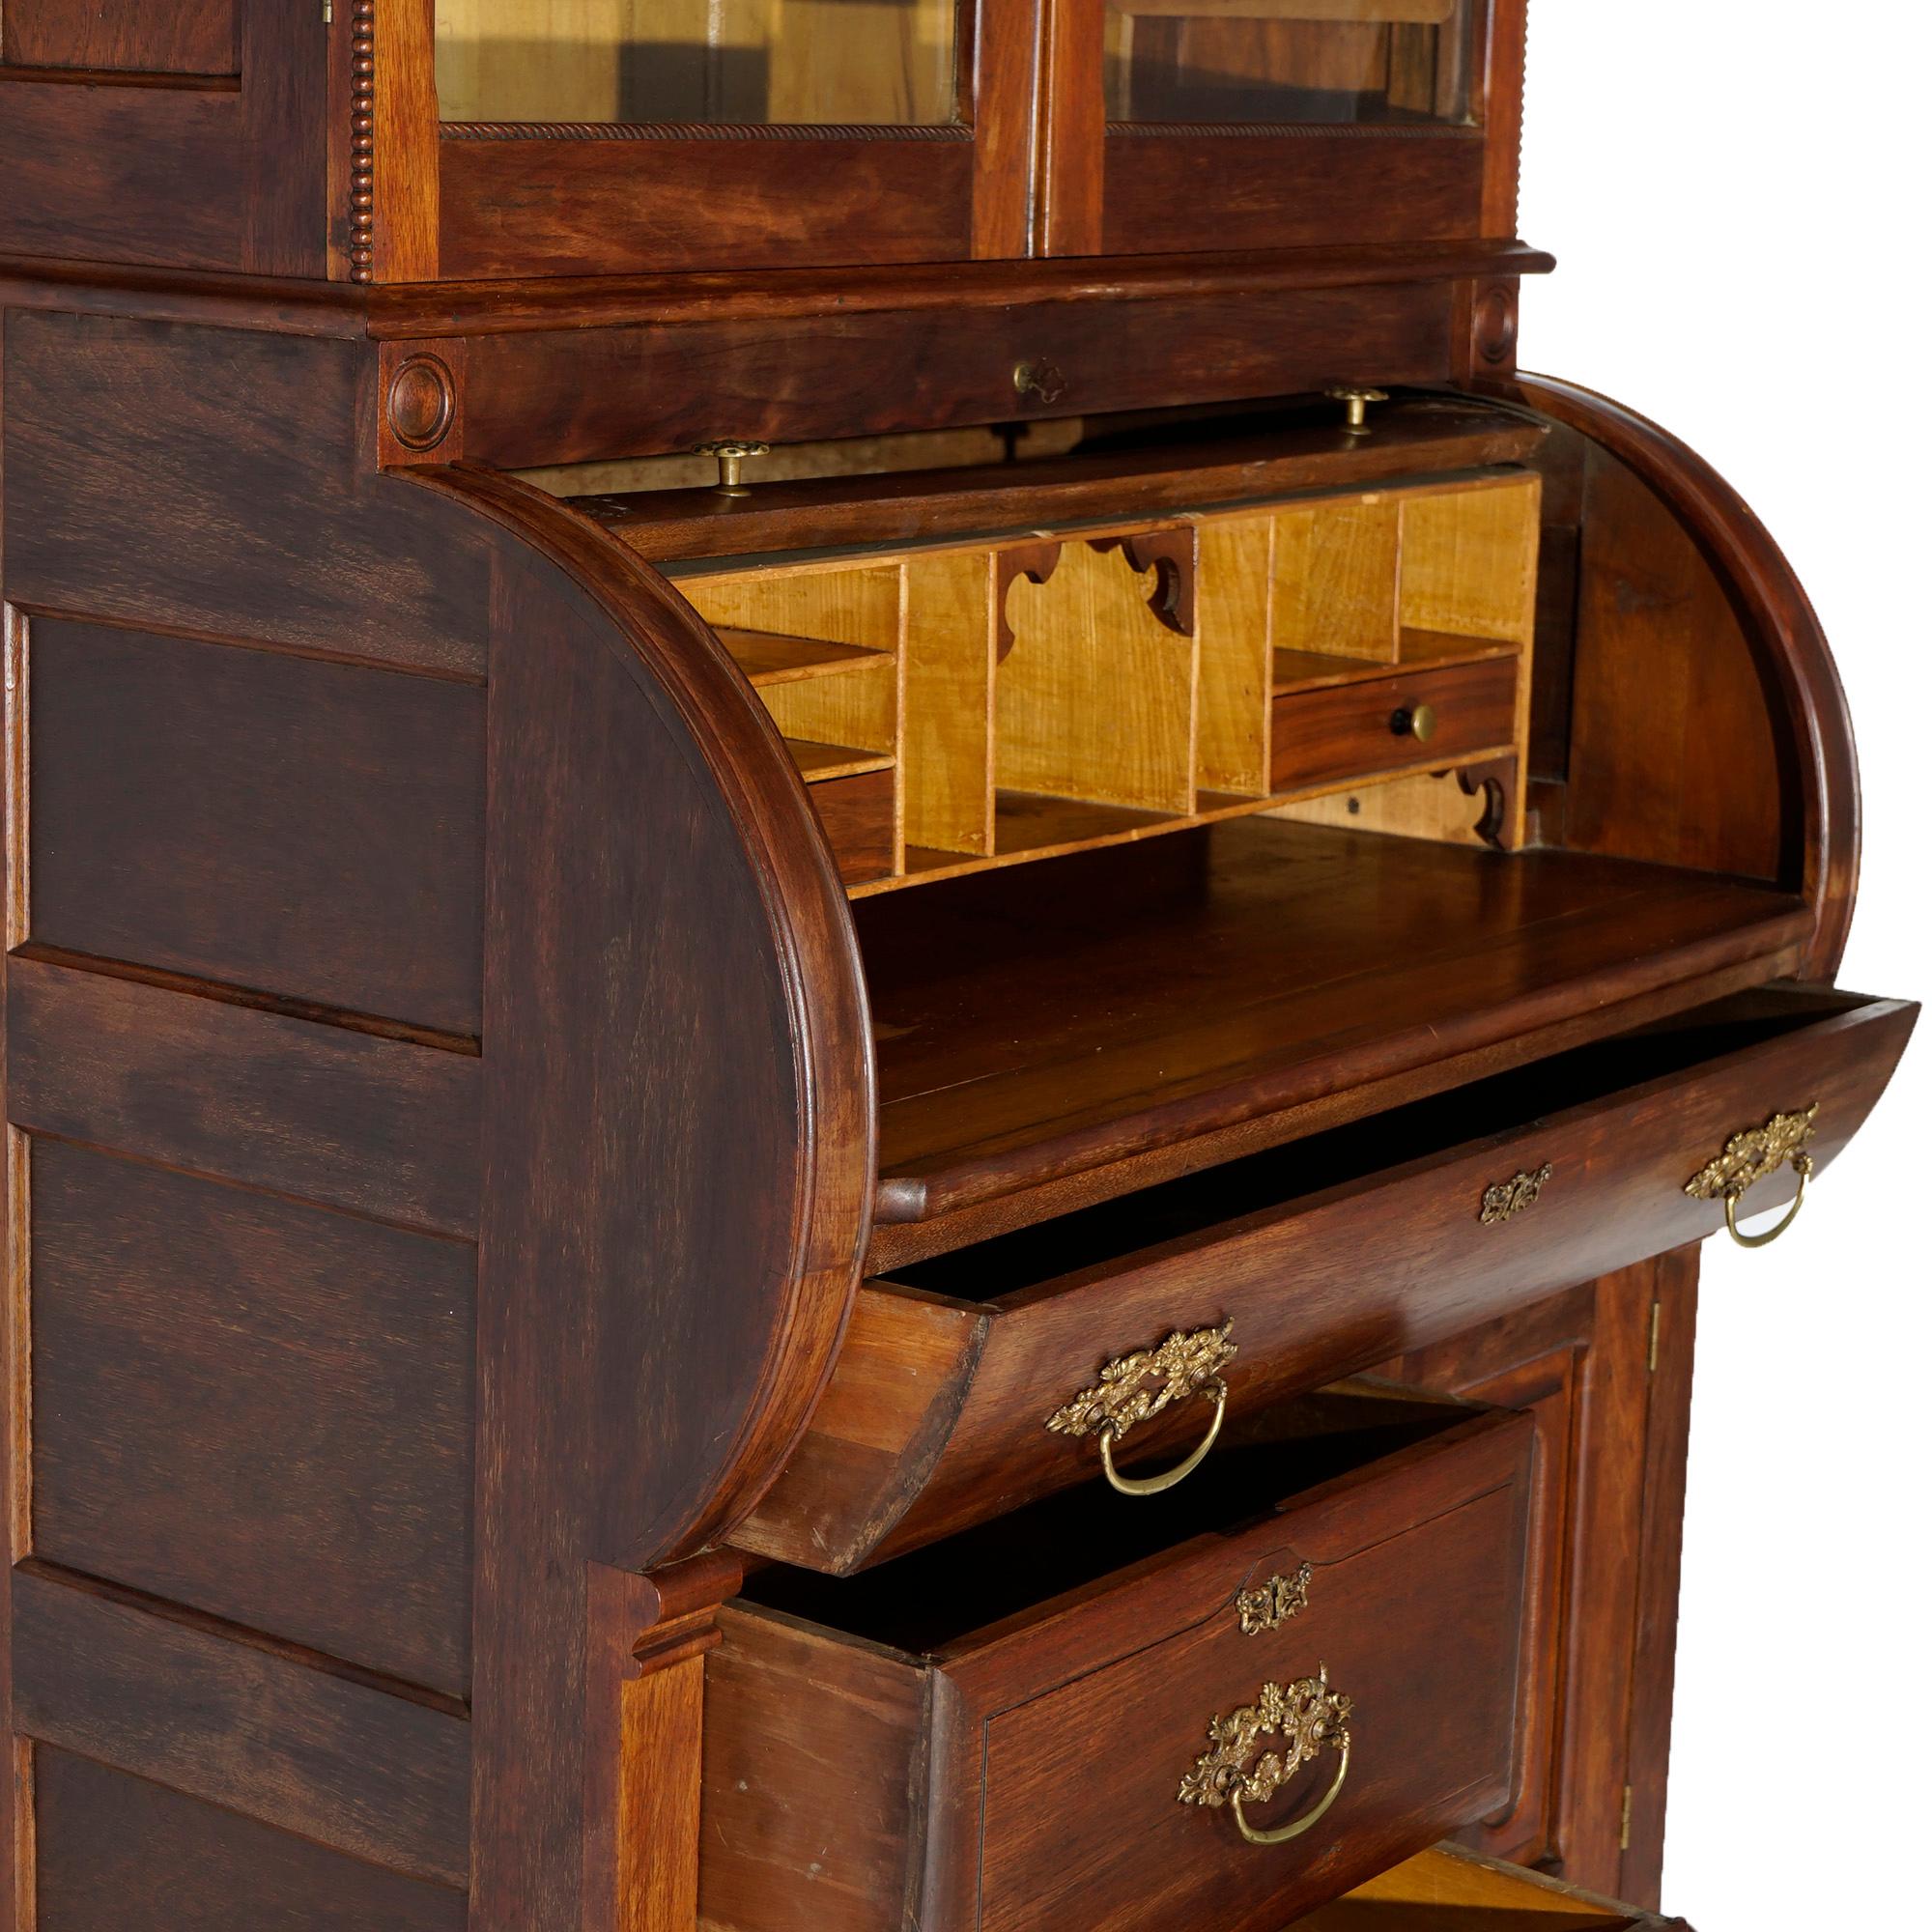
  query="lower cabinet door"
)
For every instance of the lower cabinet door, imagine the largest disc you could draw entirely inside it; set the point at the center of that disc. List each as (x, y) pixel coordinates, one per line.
(1449, 1889)
(1110, 1712)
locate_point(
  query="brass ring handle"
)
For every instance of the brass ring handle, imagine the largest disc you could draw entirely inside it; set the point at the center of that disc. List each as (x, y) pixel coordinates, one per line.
(1152, 1486)
(1134, 1389)
(1281, 1835)
(1307, 1719)
(1802, 1167)
(1753, 1156)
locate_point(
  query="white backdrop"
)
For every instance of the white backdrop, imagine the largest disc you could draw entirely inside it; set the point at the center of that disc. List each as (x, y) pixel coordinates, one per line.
(1737, 199)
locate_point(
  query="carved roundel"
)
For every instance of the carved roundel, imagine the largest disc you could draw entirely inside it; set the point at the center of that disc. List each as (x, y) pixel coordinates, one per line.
(422, 402)
(1495, 324)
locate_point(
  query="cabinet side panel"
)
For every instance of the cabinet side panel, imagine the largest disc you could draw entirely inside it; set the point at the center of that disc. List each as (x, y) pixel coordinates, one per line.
(266, 821)
(254, 1408)
(117, 1850)
(192, 37)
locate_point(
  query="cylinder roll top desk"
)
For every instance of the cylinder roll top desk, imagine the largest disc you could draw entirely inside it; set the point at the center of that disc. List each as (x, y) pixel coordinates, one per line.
(876, 964)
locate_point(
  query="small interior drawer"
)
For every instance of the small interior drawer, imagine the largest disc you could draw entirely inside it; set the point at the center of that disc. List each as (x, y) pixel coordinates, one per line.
(1012, 1729)
(1419, 717)
(1310, 1261)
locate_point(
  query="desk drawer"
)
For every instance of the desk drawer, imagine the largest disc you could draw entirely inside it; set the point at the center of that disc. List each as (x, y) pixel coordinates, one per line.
(1309, 1262)
(1380, 724)
(1012, 1729)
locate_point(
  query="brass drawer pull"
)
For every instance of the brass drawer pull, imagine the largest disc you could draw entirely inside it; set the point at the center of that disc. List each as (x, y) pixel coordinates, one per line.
(1134, 1387)
(1308, 1717)
(1751, 1156)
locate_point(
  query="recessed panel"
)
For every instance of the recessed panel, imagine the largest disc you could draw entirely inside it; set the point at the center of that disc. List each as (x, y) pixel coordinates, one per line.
(301, 827)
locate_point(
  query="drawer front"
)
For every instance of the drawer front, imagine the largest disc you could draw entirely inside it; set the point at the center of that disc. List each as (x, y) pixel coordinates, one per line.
(1353, 730)
(937, 1413)
(1385, 1618)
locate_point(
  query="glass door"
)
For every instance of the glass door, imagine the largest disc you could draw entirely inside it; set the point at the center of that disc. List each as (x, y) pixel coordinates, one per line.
(1245, 124)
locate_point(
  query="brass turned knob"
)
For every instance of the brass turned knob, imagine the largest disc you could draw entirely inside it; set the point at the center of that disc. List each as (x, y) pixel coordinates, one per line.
(1357, 400)
(1418, 723)
(731, 453)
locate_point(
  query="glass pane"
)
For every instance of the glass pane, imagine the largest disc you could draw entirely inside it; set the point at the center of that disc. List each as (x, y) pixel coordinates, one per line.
(884, 62)
(1304, 61)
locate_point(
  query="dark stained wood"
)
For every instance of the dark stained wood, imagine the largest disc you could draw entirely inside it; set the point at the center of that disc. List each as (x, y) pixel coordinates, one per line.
(340, 1763)
(1312, 452)
(1671, 753)
(857, 815)
(576, 206)
(1351, 730)
(147, 36)
(307, 829)
(102, 172)
(221, 466)
(321, 1368)
(1818, 760)
(1120, 961)
(934, 1415)
(114, 1850)
(1416, 1582)
(1654, 1670)
(382, 1127)
(137, 143)
(413, 310)
(582, 395)
(1301, 186)
(729, 1140)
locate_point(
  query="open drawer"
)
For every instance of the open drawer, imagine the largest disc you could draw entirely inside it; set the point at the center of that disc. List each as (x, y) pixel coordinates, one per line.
(1449, 1889)
(1092, 1714)
(971, 1382)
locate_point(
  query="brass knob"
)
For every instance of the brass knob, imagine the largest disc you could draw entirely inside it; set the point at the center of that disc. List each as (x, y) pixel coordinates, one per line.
(731, 453)
(1418, 723)
(1357, 398)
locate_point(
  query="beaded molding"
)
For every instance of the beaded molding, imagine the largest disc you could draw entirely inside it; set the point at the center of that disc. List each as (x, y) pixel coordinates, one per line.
(363, 141)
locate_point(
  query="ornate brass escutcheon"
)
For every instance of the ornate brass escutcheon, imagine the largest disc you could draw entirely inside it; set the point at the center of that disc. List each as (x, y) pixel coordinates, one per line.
(1512, 1196)
(1270, 1605)
(1134, 1387)
(1308, 1717)
(1751, 1156)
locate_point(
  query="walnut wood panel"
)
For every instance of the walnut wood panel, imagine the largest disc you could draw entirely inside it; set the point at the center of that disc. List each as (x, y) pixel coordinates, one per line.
(936, 1410)
(1351, 730)
(1298, 188)
(99, 172)
(176, 170)
(1615, 1354)
(589, 394)
(1672, 1356)
(114, 1850)
(251, 1730)
(657, 880)
(1416, 1563)
(1672, 754)
(1038, 1026)
(146, 36)
(380, 1127)
(206, 479)
(307, 829)
(1816, 760)
(857, 815)
(583, 207)
(316, 1368)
